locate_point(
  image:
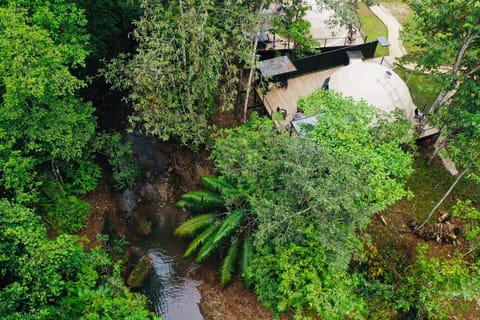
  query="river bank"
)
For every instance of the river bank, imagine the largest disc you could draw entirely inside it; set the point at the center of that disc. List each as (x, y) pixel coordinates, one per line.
(177, 288)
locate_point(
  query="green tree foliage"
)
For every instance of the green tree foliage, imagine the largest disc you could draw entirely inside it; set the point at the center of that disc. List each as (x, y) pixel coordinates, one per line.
(56, 279)
(441, 30)
(45, 163)
(447, 35)
(282, 175)
(362, 132)
(44, 127)
(227, 226)
(185, 66)
(109, 21)
(345, 12)
(297, 276)
(466, 210)
(347, 167)
(436, 289)
(295, 28)
(63, 212)
(126, 169)
(62, 20)
(460, 121)
(293, 25)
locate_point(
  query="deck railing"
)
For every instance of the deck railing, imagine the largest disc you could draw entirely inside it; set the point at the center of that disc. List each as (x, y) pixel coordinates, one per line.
(276, 42)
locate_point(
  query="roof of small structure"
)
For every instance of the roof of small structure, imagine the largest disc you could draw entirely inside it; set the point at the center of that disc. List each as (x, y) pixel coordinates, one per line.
(374, 83)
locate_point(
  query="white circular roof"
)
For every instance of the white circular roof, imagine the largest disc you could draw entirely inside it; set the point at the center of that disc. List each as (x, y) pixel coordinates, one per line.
(374, 83)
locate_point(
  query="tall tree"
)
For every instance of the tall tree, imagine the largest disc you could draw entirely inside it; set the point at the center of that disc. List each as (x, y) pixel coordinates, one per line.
(447, 37)
(186, 66)
(41, 278)
(62, 20)
(42, 124)
(108, 24)
(314, 191)
(438, 289)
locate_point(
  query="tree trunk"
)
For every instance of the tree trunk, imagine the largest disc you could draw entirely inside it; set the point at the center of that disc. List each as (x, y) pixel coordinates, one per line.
(461, 53)
(438, 148)
(250, 76)
(443, 198)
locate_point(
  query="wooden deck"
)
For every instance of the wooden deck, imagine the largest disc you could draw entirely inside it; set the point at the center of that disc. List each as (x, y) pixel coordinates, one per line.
(300, 87)
(286, 98)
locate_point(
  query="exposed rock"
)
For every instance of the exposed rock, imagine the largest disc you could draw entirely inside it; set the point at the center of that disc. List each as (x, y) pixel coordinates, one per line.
(140, 273)
(135, 202)
(149, 193)
(146, 152)
(130, 200)
(136, 252)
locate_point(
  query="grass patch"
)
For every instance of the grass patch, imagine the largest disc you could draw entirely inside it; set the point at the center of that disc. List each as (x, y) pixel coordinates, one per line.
(428, 184)
(399, 10)
(403, 14)
(372, 27)
(423, 87)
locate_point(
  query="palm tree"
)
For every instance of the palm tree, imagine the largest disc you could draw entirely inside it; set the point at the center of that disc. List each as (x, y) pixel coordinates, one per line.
(223, 223)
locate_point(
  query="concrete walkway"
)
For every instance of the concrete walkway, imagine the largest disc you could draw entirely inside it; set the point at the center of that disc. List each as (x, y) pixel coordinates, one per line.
(396, 48)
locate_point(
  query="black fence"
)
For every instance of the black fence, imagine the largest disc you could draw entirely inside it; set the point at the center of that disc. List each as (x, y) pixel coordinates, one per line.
(331, 58)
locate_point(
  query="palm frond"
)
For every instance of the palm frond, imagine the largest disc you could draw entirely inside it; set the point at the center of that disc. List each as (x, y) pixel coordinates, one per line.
(228, 264)
(245, 259)
(194, 224)
(200, 239)
(201, 200)
(228, 226)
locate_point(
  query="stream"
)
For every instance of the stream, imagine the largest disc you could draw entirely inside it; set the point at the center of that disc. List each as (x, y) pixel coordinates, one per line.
(171, 291)
(150, 216)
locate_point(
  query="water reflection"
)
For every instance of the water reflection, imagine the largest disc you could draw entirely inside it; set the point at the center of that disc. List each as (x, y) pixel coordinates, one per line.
(170, 289)
(172, 292)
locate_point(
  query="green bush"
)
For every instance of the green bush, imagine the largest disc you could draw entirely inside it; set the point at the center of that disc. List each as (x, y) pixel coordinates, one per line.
(45, 278)
(125, 168)
(297, 276)
(82, 177)
(437, 289)
(66, 213)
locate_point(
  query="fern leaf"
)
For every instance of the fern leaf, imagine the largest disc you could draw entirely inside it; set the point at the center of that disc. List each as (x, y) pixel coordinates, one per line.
(194, 224)
(246, 258)
(182, 204)
(228, 226)
(200, 200)
(219, 184)
(207, 249)
(200, 239)
(228, 264)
